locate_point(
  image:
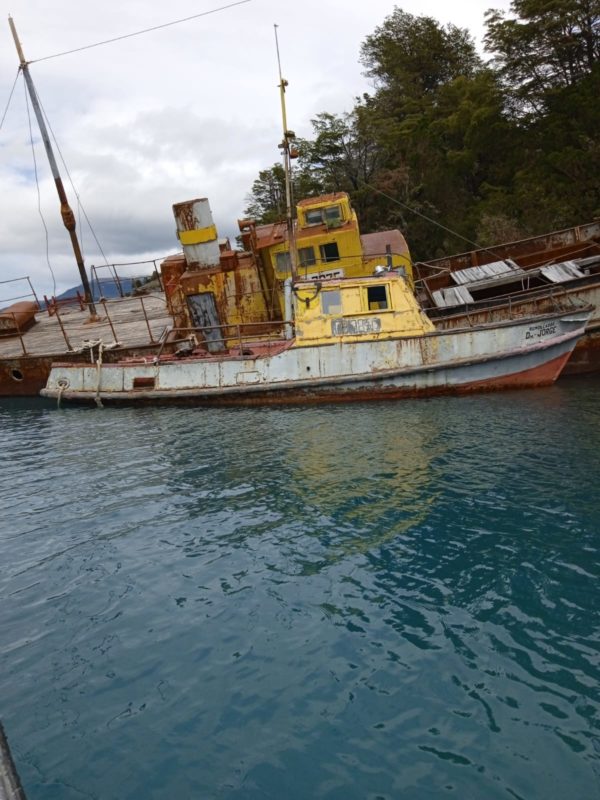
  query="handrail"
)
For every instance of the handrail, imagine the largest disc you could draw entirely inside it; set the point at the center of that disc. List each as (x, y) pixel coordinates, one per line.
(276, 325)
(17, 328)
(23, 296)
(112, 268)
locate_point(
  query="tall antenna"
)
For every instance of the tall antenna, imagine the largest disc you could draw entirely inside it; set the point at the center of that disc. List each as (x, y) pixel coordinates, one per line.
(286, 147)
(68, 217)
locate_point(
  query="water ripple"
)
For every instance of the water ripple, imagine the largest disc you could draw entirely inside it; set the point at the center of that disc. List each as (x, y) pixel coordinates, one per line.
(397, 600)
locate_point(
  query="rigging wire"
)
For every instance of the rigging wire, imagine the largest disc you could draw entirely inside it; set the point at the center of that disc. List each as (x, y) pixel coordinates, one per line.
(140, 33)
(10, 98)
(37, 183)
(434, 222)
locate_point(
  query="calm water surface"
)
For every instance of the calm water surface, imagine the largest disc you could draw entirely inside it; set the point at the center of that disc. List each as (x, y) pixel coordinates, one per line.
(396, 600)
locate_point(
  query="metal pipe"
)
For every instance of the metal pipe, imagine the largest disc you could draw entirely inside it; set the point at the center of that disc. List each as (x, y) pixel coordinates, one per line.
(288, 136)
(108, 319)
(152, 339)
(20, 335)
(62, 327)
(288, 311)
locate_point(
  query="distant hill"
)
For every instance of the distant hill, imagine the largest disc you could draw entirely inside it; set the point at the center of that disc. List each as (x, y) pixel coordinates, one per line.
(105, 287)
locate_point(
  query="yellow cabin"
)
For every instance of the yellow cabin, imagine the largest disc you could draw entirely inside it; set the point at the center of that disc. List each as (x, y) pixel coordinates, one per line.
(233, 295)
(328, 243)
(378, 307)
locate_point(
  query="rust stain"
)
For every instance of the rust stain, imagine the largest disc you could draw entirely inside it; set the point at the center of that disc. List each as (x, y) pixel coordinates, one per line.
(184, 214)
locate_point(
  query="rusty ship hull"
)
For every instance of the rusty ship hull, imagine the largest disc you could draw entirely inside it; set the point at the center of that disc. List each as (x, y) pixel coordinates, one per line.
(518, 354)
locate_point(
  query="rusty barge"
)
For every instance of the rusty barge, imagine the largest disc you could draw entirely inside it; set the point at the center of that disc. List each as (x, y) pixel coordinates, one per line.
(523, 277)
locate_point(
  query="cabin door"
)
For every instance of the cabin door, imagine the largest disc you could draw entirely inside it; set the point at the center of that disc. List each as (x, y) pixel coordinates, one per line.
(204, 314)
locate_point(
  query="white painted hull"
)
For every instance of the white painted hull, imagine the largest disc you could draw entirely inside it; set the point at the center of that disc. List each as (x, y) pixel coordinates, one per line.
(522, 353)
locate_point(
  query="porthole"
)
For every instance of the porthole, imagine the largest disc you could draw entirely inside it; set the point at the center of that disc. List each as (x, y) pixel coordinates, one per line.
(16, 375)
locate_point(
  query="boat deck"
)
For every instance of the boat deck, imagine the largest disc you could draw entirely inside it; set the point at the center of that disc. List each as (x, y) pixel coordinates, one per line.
(136, 321)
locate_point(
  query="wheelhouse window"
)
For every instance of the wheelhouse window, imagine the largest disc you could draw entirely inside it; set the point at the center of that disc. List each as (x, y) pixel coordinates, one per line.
(377, 298)
(314, 216)
(329, 252)
(331, 301)
(282, 262)
(332, 215)
(326, 215)
(306, 256)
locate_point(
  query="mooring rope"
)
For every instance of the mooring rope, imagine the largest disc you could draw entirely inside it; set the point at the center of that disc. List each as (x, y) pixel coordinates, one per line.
(98, 375)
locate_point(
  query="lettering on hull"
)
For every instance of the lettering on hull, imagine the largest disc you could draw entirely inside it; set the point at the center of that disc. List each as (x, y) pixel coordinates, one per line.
(345, 327)
(540, 330)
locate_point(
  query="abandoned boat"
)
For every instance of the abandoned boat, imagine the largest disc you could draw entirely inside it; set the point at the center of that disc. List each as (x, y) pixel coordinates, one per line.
(338, 339)
(525, 277)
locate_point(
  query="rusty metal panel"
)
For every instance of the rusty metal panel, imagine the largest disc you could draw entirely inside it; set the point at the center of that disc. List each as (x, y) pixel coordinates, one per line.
(197, 232)
(579, 241)
(17, 317)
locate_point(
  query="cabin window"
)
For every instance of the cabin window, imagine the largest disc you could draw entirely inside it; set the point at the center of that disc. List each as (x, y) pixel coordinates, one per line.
(329, 252)
(328, 215)
(314, 216)
(333, 215)
(377, 298)
(331, 301)
(282, 262)
(307, 256)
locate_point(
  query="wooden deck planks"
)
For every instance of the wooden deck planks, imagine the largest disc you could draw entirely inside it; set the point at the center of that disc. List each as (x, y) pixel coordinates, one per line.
(46, 337)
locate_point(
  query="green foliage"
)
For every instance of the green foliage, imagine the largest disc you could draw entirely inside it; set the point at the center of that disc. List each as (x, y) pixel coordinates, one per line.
(490, 151)
(548, 44)
(266, 201)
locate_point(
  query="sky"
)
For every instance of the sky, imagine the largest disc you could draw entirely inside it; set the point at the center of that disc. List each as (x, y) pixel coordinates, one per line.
(185, 111)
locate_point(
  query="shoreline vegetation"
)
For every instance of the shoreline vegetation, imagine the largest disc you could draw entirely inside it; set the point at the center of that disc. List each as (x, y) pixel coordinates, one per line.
(491, 149)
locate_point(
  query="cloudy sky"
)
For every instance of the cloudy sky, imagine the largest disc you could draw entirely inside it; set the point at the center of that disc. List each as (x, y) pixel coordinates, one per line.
(190, 110)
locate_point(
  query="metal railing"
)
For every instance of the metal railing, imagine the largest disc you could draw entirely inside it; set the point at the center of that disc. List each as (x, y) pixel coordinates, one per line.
(230, 338)
(27, 296)
(119, 279)
(109, 319)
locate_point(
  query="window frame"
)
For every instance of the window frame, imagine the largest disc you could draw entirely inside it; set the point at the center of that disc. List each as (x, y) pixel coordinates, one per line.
(381, 287)
(285, 265)
(329, 293)
(324, 258)
(309, 262)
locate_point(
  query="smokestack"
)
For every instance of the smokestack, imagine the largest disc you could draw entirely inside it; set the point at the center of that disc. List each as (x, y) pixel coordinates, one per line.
(197, 233)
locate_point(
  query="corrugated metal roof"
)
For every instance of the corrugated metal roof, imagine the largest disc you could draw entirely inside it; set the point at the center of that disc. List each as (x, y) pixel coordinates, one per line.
(485, 272)
(560, 273)
(453, 296)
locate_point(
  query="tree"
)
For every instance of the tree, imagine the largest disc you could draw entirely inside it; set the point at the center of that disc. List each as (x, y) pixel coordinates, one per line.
(414, 56)
(547, 45)
(266, 201)
(499, 150)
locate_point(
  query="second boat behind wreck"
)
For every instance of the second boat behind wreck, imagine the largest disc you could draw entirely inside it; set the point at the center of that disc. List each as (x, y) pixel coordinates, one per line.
(327, 339)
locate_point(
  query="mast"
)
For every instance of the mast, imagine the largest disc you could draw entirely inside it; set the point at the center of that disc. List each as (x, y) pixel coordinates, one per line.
(285, 146)
(68, 217)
